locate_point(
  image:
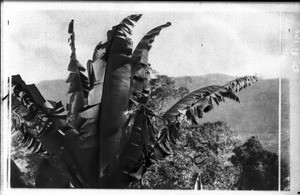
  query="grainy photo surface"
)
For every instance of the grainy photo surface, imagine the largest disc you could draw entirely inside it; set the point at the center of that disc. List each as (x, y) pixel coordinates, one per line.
(146, 96)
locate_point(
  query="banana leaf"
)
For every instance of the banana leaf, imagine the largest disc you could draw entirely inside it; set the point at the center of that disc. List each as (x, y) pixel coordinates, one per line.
(79, 84)
(201, 100)
(141, 74)
(116, 92)
(198, 102)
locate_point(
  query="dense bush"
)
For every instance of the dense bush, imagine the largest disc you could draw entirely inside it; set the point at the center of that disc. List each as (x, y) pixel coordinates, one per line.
(204, 148)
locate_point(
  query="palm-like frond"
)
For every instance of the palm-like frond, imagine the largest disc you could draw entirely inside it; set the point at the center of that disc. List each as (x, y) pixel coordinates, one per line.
(195, 104)
(140, 138)
(96, 72)
(138, 152)
(89, 133)
(34, 116)
(123, 31)
(79, 84)
(141, 52)
(141, 74)
(201, 101)
(45, 130)
(116, 90)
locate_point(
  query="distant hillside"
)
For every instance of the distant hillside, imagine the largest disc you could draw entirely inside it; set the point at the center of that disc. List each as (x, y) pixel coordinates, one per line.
(257, 114)
(54, 90)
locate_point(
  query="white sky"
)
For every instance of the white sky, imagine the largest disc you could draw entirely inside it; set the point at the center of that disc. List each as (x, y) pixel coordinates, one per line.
(233, 39)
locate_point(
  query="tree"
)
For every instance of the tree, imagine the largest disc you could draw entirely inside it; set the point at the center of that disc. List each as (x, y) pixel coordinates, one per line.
(107, 138)
(205, 149)
(258, 167)
(163, 90)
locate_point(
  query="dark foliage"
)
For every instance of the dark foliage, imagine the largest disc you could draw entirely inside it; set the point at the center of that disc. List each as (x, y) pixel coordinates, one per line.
(258, 167)
(205, 149)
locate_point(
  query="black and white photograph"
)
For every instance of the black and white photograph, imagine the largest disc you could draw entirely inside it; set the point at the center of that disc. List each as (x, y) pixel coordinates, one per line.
(150, 97)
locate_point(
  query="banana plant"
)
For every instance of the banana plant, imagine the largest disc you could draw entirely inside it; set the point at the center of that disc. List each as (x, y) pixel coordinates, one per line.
(107, 136)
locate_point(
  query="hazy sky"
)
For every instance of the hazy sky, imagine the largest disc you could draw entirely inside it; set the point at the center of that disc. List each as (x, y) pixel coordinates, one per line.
(238, 39)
